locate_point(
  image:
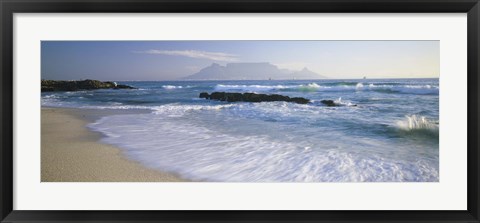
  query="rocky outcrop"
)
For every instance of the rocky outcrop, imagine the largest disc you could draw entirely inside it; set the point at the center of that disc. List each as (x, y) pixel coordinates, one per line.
(329, 103)
(51, 85)
(251, 97)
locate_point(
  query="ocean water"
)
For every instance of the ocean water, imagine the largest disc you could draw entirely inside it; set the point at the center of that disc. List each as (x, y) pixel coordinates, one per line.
(387, 130)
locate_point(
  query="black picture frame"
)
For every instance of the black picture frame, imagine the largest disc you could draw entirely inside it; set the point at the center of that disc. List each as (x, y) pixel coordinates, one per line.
(9, 7)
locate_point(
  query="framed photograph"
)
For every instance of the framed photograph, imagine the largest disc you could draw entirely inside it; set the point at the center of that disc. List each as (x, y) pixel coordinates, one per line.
(201, 111)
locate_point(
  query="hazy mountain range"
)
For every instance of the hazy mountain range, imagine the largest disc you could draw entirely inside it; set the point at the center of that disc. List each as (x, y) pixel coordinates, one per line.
(250, 71)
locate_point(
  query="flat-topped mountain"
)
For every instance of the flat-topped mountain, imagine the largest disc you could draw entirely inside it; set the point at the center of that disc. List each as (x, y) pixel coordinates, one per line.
(250, 71)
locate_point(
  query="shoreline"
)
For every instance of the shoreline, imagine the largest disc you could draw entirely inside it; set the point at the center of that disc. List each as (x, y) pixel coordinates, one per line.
(72, 153)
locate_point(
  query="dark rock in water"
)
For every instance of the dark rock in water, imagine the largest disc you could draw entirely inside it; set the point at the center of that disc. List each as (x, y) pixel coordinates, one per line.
(204, 95)
(123, 86)
(300, 100)
(251, 97)
(328, 103)
(331, 103)
(218, 96)
(51, 85)
(233, 97)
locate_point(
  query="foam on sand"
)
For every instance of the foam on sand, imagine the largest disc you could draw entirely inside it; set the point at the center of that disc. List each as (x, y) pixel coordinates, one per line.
(85, 159)
(170, 140)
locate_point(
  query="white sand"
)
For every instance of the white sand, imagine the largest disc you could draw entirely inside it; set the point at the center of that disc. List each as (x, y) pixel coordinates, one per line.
(72, 153)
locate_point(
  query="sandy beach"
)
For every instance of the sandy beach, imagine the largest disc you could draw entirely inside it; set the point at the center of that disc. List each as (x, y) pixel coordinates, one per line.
(72, 153)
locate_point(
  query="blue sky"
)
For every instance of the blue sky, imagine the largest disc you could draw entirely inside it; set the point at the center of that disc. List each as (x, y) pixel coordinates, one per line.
(169, 60)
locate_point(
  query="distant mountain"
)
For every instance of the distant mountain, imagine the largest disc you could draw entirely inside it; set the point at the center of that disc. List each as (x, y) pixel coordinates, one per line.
(250, 71)
(305, 73)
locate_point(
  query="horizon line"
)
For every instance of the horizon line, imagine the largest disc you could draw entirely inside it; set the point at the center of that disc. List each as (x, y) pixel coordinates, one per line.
(250, 79)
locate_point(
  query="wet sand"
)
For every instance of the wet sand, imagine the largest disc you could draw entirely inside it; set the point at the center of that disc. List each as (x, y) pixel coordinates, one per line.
(72, 153)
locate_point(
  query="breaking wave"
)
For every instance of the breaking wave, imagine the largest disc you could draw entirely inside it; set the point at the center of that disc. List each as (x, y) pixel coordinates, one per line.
(168, 87)
(210, 140)
(385, 88)
(199, 152)
(222, 87)
(414, 122)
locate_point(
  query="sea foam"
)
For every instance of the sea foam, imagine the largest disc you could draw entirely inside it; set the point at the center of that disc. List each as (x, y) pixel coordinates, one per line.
(274, 141)
(384, 88)
(414, 122)
(170, 87)
(175, 138)
(222, 87)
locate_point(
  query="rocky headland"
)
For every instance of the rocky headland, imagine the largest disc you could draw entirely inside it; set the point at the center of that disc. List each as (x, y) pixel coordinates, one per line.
(52, 85)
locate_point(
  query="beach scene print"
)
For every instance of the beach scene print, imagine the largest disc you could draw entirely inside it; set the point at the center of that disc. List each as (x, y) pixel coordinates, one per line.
(240, 111)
